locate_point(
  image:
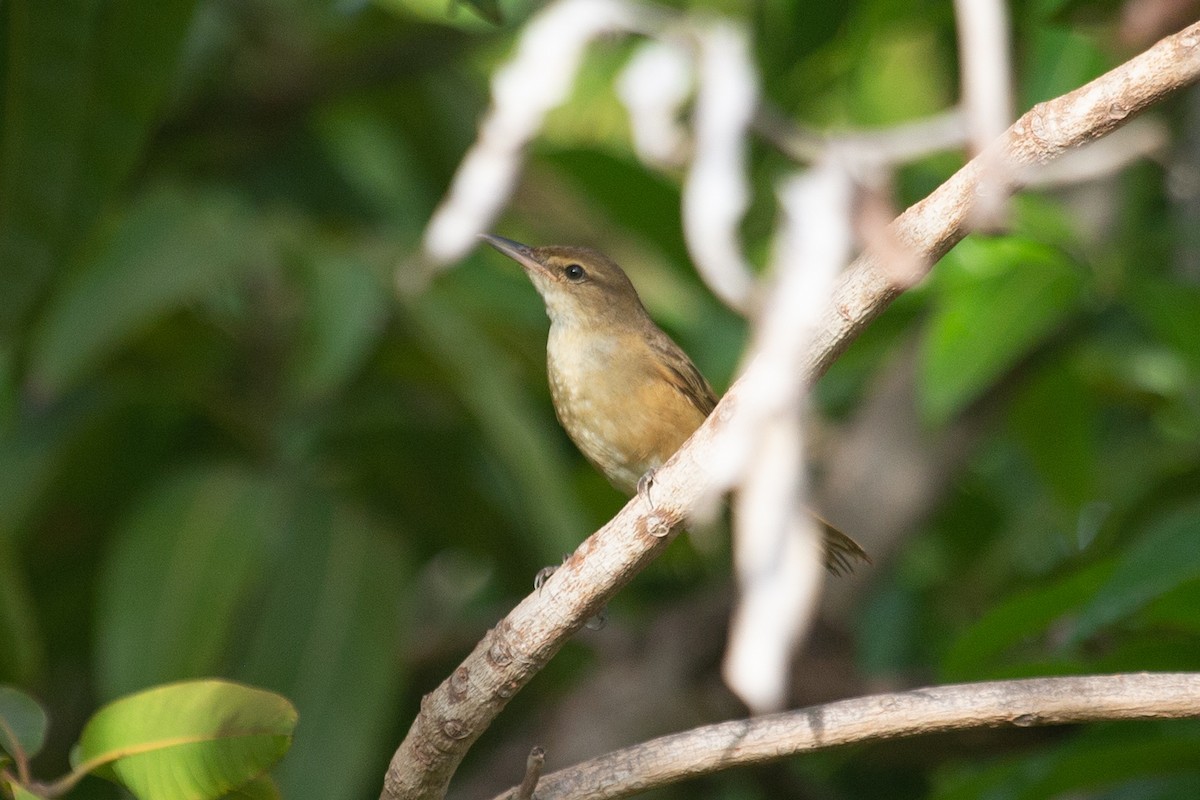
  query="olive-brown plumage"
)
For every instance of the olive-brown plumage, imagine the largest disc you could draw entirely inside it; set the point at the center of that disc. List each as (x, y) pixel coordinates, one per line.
(626, 394)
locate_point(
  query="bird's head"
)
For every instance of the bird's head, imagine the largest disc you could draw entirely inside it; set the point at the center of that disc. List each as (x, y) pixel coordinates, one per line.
(579, 285)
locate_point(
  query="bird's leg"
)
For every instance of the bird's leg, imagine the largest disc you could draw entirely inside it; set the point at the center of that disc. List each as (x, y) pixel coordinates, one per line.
(655, 525)
(539, 580)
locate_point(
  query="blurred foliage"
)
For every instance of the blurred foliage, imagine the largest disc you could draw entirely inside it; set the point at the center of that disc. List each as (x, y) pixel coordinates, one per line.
(229, 447)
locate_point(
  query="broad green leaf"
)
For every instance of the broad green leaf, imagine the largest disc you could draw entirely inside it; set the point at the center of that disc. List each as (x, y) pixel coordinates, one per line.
(1022, 617)
(1176, 609)
(187, 741)
(20, 638)
(1153, 648)
(887, 629)
(993, 300)
(882, 92)
(345, 311)
(261, 788)
(31, 452)
(176, 572)
(1165, 557)
(439, 12)
(783, 38)
(488, 9)
(1046, 220)
(22, 723)
(1056, 400)
(82, 83)
(1171, 311)
(363, 144)
(333, 609)
(1058, 60)
(170, 249)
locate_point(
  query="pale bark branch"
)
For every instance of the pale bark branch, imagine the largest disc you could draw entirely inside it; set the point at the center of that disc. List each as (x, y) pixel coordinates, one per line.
(455, 714)
(1046, 132)
(739, 743)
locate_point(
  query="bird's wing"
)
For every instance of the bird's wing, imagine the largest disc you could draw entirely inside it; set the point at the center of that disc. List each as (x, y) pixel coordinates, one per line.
(682, 374)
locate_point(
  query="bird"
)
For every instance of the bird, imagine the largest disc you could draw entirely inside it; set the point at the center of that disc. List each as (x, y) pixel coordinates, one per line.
(627, 395)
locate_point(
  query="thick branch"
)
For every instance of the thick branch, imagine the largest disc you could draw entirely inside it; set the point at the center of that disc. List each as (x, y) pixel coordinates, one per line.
(454, 715)
(1020, 703)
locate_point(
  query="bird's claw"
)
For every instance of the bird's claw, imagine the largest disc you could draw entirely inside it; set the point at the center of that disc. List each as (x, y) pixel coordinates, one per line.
(543, 575)
(598, 621)
(643, 487)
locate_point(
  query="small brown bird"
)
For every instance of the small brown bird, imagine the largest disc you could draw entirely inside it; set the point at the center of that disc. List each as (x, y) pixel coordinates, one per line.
(627, 395)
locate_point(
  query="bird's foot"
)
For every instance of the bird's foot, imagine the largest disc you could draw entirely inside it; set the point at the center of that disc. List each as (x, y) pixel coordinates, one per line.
(643, 487)
(656, 526)
(543, 575)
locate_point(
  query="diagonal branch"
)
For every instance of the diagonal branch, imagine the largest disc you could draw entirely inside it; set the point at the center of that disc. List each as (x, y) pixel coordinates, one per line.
(455, 714)
(1019, 703)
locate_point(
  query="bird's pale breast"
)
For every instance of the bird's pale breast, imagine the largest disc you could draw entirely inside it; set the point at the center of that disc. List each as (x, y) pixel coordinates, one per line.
(615, 404)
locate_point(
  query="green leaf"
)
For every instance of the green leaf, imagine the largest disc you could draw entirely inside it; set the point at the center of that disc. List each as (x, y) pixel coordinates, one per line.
(177, 570)
(1165, 557)
(993, 300)
(438, 12)
(30, 454)
(488, 9)
(1058, 60)
(1170, 310)
(1056, 400)
(887, 631)
(1176, 609)
(20, 638)
(22, 723)
(261, 788)
(369, 152)
(187, 741)
(346, 308)
(976, 653)
(335, 599)
(169, 250)
(82, 83)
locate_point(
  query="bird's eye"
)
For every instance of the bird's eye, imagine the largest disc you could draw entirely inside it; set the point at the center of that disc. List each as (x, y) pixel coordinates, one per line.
(574, 272)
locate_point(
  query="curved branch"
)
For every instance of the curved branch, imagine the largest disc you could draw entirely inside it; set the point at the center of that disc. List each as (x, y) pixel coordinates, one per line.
(1019, 703)
(455, 714)
(929, 228)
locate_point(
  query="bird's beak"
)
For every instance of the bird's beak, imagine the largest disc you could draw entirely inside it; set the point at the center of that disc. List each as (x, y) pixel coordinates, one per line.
(520, 253)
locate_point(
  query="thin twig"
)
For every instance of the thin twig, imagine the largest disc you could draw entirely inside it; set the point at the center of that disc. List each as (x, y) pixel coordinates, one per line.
(16, 751)
(533, 771)
(1017, 703)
